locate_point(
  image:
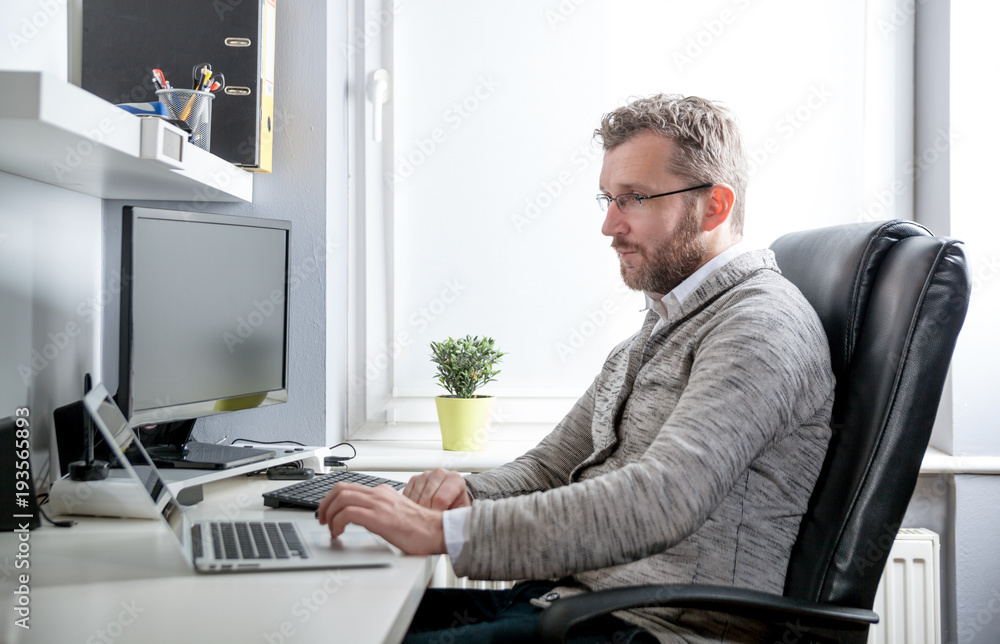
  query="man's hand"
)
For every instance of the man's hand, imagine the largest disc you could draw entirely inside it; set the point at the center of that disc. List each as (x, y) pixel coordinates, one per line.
(387, 513)
(438, 490)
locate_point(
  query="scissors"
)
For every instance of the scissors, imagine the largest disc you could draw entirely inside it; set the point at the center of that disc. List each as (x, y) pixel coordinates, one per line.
(216, 82)
(200, 74)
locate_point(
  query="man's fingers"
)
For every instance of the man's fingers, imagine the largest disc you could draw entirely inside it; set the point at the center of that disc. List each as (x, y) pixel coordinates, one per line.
(450, 492)
(365, 517)
(342, 494)
(383, 511)
(431, 487)
(436, 489)
(446, 493)
(415, 486)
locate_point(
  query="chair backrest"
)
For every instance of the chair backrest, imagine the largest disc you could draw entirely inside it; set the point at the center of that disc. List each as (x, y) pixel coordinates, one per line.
(892, 299)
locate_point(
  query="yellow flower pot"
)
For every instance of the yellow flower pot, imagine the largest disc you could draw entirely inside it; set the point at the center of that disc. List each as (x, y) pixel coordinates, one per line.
(465, 422)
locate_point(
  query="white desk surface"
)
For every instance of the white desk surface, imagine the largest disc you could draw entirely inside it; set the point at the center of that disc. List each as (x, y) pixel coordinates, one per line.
(123, 580)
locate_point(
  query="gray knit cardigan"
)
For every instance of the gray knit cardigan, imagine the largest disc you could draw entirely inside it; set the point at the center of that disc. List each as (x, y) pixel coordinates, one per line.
(690, 459)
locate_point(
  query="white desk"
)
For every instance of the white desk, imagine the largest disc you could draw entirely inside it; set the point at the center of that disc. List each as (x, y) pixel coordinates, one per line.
(122, 580)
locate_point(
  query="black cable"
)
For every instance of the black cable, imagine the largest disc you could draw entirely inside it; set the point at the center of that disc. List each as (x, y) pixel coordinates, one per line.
(247, 440)
(346, 458)
(338, 461)
(42, 498)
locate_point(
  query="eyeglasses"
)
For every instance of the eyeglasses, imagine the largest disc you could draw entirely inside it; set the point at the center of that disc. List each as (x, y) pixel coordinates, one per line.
(631, 202)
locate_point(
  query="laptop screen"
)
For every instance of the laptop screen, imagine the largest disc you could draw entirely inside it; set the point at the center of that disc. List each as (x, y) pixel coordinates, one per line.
(123, 443)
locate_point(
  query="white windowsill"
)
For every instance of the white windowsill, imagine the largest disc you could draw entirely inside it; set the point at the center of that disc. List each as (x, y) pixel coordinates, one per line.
(407, 447)
(937, 462)
(403, 456)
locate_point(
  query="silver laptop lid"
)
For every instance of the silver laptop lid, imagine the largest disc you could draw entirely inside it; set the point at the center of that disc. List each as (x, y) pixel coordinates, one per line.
(118, 435)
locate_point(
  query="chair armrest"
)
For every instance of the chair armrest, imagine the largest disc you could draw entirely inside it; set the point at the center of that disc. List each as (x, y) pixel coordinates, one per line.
(558, 618)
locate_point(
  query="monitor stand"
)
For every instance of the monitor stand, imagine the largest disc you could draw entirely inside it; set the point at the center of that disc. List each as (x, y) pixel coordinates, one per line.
(169, 445)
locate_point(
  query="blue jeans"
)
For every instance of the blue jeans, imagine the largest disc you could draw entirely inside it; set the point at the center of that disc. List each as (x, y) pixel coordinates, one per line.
(457, 616)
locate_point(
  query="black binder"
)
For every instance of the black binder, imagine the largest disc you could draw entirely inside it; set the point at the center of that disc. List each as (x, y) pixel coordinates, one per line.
(124, 40)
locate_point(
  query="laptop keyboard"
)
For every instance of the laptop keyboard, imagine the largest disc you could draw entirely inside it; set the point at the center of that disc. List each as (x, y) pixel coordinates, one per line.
(308, 494)
(240, 540)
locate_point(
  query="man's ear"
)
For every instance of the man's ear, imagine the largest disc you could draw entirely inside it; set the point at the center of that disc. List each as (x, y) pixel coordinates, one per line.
(720, 203)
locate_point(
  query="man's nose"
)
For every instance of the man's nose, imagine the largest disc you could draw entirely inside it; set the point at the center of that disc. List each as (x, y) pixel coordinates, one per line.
(614, 221)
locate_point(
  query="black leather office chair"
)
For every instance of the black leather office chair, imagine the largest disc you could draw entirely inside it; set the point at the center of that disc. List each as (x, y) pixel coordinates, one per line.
(892, 299)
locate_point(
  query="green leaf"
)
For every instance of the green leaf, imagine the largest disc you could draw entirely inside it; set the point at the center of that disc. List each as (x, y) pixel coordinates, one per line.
(465, 365)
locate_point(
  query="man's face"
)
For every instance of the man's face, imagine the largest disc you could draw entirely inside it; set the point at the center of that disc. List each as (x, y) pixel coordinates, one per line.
(660, 242)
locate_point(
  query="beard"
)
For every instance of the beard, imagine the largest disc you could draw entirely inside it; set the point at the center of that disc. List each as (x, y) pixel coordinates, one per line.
(668, 264)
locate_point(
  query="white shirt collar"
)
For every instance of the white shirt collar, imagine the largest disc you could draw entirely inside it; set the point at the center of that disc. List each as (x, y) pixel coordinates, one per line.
(667, 305)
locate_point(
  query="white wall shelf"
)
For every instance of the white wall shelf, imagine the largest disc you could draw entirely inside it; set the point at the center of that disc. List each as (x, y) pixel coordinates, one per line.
(57, 133)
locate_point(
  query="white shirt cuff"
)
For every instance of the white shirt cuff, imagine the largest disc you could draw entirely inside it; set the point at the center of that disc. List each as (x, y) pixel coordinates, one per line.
(456, 530)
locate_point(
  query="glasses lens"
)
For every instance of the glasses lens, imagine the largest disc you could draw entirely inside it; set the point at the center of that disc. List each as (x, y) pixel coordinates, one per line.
(627, 203)
(603, 201)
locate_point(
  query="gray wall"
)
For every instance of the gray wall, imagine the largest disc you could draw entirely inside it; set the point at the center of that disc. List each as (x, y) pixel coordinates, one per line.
(977, 582)
(960, 508)
(933, 507)
(59, 252)
(50, 266)
(308, 176)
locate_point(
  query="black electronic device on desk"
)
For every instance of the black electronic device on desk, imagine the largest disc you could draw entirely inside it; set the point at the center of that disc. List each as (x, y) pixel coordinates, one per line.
(206, 456)
(203, 328)
(308, 494)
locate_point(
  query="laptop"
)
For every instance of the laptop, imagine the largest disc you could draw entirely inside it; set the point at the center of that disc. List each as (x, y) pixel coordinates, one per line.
(229, 546)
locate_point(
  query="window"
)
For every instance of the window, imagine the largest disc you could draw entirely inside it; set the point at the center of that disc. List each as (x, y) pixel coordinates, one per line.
(474, 212)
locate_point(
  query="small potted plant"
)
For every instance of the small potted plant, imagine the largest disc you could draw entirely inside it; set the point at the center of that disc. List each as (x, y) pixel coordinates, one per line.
(463, 366)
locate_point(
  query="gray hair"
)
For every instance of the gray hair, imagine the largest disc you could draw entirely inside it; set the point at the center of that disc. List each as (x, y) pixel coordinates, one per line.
(708, 141)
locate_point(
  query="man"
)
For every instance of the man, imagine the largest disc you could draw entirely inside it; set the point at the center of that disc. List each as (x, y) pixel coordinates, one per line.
(692, 456)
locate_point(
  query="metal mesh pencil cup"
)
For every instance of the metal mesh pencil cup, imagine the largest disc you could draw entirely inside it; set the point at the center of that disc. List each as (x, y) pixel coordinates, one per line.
(194, 108)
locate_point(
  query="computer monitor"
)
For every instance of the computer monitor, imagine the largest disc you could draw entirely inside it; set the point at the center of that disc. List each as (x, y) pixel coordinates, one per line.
(204, 315)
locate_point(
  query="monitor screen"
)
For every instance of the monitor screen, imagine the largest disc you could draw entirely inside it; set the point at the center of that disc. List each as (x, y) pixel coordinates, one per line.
(204, 320)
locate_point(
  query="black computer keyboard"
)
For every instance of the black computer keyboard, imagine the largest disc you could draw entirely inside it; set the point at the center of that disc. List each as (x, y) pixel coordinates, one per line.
(308, 494)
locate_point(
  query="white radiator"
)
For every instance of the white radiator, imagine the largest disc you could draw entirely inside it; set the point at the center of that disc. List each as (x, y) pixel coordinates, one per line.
(909, 594)
(444, 577)
(907, 599)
